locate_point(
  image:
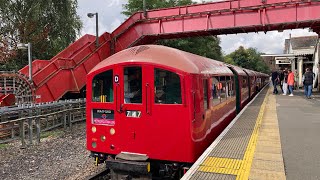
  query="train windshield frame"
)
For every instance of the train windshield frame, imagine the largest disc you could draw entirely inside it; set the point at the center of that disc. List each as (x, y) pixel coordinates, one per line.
(102, 87)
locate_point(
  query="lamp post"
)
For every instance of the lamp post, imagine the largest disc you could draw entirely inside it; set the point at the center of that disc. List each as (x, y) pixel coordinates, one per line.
(145, 8)
(27, 46)
(90, 15)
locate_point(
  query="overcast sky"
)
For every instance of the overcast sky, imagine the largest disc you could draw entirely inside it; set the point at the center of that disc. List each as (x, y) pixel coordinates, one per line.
(110, 17)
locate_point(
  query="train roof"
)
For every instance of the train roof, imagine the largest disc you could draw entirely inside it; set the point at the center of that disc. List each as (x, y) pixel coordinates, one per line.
(239, 70)
(250, 72)
(166, 56)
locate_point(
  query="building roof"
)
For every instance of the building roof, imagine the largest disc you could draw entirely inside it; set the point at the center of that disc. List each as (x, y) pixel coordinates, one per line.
(303, 42)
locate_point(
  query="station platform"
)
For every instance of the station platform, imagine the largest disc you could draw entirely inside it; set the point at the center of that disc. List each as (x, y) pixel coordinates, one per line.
(274, 137)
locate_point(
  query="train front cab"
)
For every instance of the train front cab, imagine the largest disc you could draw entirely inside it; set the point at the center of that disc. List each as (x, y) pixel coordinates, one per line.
(154, 119)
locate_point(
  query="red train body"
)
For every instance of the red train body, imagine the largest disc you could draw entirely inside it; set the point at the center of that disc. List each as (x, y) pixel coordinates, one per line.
(163, 103)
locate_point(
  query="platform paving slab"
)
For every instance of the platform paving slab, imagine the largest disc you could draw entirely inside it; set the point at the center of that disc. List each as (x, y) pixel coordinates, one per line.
(299, 121)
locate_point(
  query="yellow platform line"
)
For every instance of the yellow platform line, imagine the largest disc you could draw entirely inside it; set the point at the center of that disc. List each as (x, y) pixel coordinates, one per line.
(268, 161)
(248, 156)
(240, 168)
(221, 165)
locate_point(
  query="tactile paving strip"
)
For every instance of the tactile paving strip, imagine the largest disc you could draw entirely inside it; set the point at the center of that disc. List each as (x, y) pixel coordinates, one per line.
(235, 142)
(227, 159)
(209, 176)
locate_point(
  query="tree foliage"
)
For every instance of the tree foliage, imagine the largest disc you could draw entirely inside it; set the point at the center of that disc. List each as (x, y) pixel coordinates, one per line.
(49, 25)
(208, 46)
(137, 5)
(247, 58)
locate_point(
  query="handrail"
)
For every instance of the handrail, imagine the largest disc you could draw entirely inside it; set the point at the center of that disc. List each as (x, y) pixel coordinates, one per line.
(41, 117)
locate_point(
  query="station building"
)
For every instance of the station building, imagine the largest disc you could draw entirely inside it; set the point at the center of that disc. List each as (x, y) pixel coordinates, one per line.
(299, 53)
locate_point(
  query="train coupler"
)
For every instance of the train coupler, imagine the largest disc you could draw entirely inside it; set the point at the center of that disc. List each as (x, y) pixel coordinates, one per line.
(98, 158)
(131, 163)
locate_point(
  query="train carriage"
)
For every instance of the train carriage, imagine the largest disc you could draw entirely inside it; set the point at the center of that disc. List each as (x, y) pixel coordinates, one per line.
(161, 106)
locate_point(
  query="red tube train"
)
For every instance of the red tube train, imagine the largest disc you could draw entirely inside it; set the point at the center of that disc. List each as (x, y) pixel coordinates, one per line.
(154, 109)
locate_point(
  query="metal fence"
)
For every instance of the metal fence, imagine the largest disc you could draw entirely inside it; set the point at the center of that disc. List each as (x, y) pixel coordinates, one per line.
(26, 122)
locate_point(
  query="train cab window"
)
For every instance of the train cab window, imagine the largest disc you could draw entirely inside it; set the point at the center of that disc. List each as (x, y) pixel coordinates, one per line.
(167, 87)
(102, 87)
(215, 90)
(205, 94)
(132, 85)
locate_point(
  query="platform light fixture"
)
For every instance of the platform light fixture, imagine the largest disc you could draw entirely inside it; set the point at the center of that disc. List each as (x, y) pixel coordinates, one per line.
(91, 15)
(23, 47)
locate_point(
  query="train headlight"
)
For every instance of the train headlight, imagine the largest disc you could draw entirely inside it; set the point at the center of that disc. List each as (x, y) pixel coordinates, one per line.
(94, 144)
(94, 129)
(103, 138)
(112, 131)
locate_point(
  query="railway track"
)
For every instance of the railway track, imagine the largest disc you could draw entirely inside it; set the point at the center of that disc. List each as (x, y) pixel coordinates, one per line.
(107, 175)
(101, 175)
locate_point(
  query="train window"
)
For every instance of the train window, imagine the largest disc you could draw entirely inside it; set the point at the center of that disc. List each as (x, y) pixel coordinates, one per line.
(223, 88)
(244, 86)
(244, 83)
(132, 85)
(230, 89)
(102, 87)
(167, 87)
(215, 90)
(205, 94)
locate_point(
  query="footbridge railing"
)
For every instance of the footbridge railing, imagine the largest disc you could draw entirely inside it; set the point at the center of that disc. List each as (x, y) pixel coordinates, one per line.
(27, 121)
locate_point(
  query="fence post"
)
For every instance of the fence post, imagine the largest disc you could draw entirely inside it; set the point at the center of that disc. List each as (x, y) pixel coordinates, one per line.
(30, 127)
(12, 131)
(64, 114)
(38, 125)
(22, 134)
(70, 117)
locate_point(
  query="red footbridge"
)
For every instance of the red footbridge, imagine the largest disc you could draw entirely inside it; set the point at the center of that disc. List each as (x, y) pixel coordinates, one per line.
(66, 72)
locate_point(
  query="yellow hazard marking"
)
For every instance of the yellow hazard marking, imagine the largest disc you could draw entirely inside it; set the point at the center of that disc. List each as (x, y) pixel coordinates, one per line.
(239, 167)
(268, 161)
(221, 165)
(96, 161)
(148, 167)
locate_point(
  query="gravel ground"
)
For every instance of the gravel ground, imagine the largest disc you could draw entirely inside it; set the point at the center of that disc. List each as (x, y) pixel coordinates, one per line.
(61, 155)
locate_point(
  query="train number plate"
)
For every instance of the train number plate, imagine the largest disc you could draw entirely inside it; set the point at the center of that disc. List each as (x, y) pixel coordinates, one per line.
(134, 114)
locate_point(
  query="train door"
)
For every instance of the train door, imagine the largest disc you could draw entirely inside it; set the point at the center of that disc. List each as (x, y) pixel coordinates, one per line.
(132, 105)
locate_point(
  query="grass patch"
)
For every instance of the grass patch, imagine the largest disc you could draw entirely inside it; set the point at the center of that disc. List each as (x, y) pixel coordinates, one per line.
(51, 134)
(3, 146)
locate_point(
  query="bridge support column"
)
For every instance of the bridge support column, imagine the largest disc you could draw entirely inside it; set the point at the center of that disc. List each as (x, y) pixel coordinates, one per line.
(300, 70)
(318, 56)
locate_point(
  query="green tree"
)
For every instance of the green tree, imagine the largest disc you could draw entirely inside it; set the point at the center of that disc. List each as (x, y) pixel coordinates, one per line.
(49, 25)
(137, 5)
(208, 46)
(247, 58)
